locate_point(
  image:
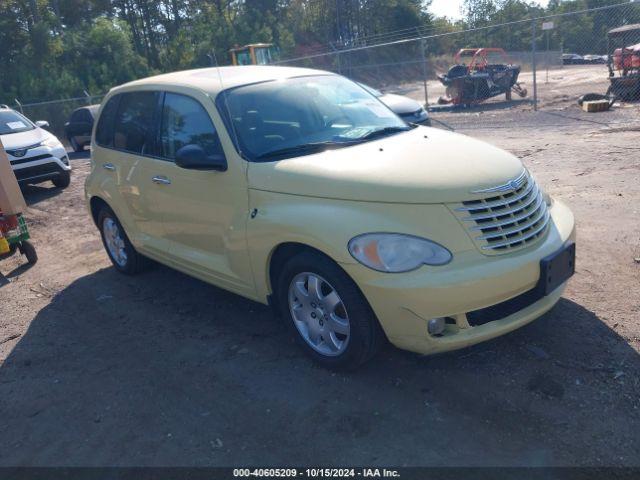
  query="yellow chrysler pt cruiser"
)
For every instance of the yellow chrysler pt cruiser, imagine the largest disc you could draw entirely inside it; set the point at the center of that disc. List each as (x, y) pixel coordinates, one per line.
(299, 188)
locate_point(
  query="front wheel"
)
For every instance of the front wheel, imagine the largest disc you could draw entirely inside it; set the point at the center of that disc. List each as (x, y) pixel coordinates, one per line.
(327, 313)
(29, 251)
(63, 180)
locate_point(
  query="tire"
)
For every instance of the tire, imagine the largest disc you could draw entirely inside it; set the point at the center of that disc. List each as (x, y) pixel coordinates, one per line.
(77, 147)
(347, 348)
(116, 243)
(28, 250)
(63, 180)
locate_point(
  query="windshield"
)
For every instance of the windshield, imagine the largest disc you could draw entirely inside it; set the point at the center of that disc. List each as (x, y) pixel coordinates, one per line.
(13, 122)
(304, 115)
(371, 90)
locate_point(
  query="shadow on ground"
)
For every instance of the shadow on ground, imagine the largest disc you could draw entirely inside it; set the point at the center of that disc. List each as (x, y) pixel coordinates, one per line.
(34, 194)
(16, 272)
(162, 369)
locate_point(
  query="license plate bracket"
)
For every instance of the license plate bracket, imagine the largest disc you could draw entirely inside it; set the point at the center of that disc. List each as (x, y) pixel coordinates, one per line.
(557, 268)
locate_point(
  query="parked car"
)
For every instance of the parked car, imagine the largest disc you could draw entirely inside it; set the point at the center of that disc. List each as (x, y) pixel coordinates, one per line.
(298, 188)
(572, 59)
(595, 59)
(78, 128)
(406, 108)
(36, 155)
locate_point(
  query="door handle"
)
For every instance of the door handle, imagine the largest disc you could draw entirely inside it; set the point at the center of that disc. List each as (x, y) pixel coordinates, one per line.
(161, 180)
(108, 166)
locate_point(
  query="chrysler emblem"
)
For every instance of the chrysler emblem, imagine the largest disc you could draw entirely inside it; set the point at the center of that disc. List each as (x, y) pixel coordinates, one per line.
(511, 185)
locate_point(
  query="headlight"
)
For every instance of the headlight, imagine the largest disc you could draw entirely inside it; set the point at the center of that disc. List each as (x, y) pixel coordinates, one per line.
(395, 252)
(421, 114)
(51, 142)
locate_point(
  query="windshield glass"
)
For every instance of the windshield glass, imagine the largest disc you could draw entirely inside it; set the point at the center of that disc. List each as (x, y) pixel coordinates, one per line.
(371, 90)
(13, 122)
(304, 115)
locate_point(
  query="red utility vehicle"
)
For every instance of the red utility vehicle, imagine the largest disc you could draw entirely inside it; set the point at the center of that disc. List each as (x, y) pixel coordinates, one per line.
(624, 62)
(489, 73)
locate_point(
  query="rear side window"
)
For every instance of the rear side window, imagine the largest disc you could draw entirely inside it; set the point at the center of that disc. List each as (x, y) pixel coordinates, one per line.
(134, 125)
(104, 130)
(77, 116)
(85, 116)
(186, 122)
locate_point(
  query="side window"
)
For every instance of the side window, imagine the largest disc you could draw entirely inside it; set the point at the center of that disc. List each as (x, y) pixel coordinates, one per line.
(104, 130)
(134, 124)
(186, 122)
(86, 116)
(76, 116)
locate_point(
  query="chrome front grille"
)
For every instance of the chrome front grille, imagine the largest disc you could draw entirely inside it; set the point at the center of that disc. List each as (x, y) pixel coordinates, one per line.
(510, 217)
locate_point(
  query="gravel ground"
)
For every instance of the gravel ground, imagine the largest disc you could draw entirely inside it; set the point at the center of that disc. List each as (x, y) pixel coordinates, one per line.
(557, 103)
(100, 369)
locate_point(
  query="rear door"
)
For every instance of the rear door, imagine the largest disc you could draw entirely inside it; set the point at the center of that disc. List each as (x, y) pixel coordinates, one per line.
(134, 149)
(83, 126)
(73, 125)
(204, 212)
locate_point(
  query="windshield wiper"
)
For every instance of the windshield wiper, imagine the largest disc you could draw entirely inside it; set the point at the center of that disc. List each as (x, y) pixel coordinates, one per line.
(381, 132)
(303, 149)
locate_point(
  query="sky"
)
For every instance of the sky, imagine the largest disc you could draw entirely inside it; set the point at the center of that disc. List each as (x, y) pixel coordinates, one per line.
(451, 8)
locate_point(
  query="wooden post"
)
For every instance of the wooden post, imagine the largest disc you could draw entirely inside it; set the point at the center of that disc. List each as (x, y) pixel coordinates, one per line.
(423, 50)
(11, 199)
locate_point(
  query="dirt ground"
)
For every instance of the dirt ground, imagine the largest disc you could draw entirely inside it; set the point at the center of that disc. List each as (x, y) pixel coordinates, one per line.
(101, 369)
(557, 102)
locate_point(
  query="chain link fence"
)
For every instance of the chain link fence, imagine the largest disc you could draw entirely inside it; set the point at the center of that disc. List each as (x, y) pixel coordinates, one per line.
(559, 57)
(56, 112)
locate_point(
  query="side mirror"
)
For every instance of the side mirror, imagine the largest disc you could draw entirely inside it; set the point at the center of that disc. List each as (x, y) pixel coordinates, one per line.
(42, 124)
(193, 157)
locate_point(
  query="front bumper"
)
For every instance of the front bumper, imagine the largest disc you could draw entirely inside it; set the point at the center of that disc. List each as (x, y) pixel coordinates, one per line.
(405, 302)
(40, 164)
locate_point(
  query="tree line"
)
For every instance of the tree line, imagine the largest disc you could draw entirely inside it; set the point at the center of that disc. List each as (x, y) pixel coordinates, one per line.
(52, 49)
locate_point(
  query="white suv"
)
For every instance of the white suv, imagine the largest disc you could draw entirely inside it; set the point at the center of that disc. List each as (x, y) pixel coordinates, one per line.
(35, 154)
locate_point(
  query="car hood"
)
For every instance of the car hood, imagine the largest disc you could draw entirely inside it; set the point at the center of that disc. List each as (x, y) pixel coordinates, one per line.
(424, 165)
(400, 104)
(14, 141)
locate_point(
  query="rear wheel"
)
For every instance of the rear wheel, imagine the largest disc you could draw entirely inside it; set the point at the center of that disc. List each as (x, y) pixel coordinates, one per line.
(63, 180)
(120, 250)
(327, 313)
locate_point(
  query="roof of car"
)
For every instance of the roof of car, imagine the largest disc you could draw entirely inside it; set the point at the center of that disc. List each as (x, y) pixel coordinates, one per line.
(214, 80)
(626, 28)
(92, 108)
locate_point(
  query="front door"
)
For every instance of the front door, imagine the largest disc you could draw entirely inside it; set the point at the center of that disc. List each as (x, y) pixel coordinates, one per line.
(204, 212)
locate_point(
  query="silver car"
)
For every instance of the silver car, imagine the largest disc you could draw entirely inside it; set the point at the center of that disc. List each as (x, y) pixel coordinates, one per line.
(406, 108)
(35, 154)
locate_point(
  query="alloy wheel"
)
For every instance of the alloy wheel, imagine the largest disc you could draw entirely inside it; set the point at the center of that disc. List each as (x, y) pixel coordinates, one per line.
(319, 314)
(114, 241)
